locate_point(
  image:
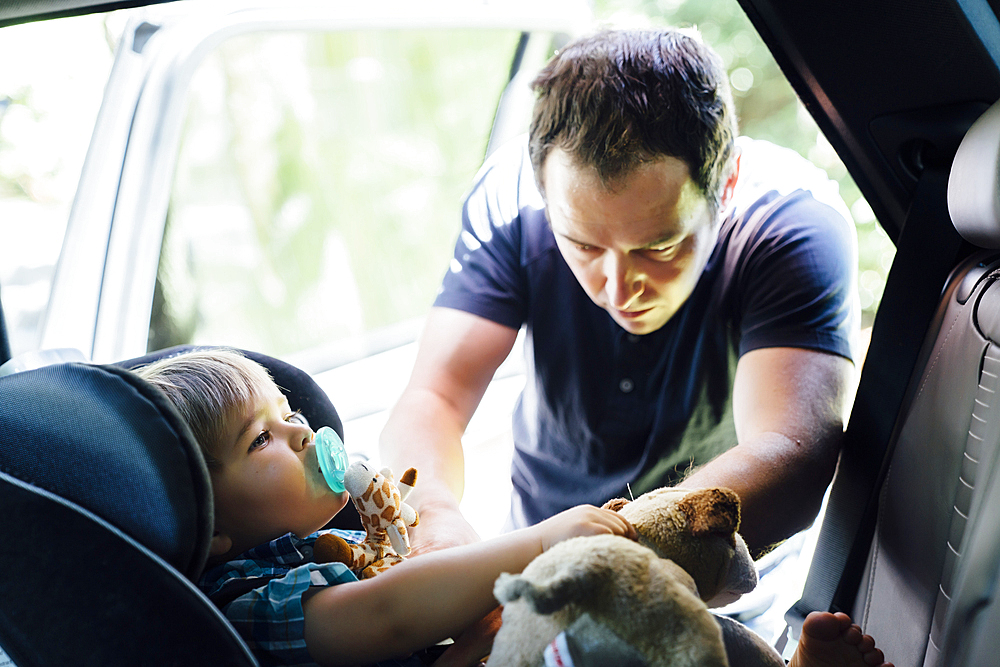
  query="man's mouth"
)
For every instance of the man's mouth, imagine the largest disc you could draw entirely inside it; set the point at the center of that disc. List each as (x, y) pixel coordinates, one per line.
(632, 314)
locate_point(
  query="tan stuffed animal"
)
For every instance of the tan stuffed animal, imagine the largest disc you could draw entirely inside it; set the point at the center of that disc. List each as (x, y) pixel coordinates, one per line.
(384, 516)
(609, 600)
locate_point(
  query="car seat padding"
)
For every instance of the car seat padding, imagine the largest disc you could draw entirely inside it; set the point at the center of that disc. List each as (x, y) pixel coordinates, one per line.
(77, 591)
(107, 441)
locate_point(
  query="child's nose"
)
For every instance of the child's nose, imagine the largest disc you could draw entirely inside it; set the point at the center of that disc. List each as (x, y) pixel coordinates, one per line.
(301, 437)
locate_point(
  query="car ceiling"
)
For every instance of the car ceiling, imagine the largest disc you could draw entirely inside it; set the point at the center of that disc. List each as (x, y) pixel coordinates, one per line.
(22, 11)
(894, 84)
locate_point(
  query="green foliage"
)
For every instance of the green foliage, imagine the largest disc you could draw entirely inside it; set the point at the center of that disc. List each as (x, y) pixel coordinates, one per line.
(343, 167)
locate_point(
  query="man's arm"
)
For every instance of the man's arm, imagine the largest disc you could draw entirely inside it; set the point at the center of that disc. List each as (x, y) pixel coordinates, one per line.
(458, 356)
(788, 405)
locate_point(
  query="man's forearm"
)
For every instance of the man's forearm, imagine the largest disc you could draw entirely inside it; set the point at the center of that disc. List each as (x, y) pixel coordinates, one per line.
(423, 433)
(780, 482)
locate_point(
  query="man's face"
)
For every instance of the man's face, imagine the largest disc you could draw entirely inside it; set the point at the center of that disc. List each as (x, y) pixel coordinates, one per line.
(269, 483)
(638, 247)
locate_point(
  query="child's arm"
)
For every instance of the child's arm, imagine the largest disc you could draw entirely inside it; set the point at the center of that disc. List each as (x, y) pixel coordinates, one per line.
(434, 596)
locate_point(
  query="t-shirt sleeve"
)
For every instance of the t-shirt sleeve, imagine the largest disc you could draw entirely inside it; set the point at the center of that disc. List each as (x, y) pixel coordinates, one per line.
(797, 277)
(485, 276)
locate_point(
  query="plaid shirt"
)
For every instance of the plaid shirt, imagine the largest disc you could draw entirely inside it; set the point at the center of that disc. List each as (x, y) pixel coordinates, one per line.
(260, 593)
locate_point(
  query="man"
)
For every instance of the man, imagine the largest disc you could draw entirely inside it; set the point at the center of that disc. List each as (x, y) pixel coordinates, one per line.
(666, 328)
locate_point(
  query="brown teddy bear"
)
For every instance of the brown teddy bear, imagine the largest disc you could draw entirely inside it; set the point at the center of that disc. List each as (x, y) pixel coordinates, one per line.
(607, 600)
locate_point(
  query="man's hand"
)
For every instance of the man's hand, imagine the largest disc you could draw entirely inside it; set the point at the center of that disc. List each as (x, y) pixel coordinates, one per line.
(440, 528)
(474, 644)
(458, 355)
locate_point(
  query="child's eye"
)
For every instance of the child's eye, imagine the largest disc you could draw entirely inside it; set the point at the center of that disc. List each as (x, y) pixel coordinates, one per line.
(260, 441)
(297, 418)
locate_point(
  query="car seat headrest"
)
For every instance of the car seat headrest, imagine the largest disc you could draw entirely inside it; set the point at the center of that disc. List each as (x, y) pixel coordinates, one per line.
(974, 182)
(113, 444)
(298, 386)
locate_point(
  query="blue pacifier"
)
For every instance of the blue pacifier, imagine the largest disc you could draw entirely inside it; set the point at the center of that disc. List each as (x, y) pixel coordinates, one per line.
(332, 457)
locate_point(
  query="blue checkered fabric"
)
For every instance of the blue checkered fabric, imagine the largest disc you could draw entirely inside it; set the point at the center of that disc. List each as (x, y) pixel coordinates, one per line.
(269, 617)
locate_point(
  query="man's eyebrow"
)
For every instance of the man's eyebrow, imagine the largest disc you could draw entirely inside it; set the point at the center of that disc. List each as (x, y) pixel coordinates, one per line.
(573, 240)
(667, 239)
(570, 238)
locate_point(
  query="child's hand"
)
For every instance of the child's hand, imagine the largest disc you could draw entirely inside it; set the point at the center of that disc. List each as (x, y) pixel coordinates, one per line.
(583, 520)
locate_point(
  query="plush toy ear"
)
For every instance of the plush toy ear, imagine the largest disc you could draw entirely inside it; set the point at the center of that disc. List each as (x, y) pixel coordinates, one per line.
(406, 483)
(709, 511)
(615, 504)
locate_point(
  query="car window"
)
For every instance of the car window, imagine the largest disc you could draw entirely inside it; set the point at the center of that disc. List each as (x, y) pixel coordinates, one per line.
(48, 105)
(318, 187)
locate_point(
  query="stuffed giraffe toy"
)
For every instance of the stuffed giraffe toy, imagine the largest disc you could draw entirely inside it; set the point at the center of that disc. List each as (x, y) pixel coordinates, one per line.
(384, 516)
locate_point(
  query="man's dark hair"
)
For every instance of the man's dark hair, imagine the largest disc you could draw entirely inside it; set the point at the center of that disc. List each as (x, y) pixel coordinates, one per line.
(618, 99)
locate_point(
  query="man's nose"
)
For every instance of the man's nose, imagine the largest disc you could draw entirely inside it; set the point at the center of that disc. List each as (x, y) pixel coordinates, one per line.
(622, 282)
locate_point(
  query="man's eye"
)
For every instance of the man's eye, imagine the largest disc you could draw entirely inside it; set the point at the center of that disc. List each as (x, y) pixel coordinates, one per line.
(664, 252)
(260, 440)
(583, 247)
(297, 418)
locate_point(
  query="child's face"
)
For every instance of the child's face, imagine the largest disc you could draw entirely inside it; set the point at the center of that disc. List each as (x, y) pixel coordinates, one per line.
(269, 483)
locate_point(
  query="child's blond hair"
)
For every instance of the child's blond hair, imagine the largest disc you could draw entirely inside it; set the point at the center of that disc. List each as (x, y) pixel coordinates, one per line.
(208, 387)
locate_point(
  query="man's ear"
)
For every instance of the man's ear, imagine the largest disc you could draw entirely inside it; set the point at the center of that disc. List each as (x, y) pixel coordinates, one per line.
(221, 544)
(730, 187)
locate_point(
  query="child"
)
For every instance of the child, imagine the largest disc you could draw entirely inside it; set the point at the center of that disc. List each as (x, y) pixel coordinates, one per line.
(270, 500)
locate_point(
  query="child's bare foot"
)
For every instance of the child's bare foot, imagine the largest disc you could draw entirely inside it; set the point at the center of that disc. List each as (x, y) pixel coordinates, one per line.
(831, 640)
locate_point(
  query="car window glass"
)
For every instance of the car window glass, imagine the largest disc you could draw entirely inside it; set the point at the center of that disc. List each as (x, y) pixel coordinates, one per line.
(318, 187)
(48, 105)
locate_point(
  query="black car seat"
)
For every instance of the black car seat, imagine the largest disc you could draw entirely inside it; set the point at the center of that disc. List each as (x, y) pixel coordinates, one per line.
(925, 585)
(107, 518)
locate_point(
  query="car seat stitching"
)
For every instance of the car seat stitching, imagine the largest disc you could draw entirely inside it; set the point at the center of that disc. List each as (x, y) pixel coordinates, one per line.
(944, 342)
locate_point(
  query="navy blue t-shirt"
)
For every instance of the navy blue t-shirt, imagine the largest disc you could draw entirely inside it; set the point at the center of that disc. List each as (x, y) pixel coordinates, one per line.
(601, 407)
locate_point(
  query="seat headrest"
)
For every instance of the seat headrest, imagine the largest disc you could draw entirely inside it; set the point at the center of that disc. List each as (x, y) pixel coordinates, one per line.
(111, 443)
(298, 386)
(974, 182)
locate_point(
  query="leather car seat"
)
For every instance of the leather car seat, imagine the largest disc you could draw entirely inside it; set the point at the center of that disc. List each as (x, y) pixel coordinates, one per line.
(928, 593)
